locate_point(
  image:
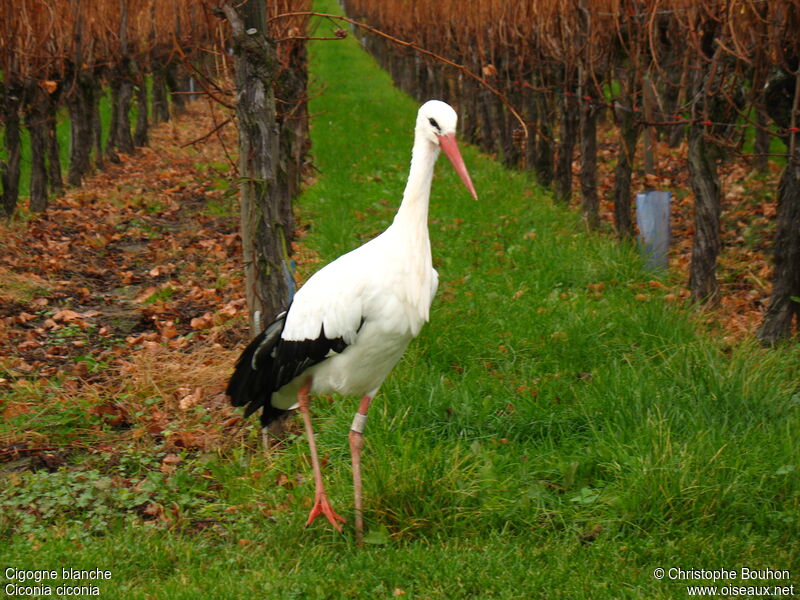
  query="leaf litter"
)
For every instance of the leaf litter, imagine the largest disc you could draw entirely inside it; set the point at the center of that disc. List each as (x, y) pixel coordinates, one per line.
(125, 302)
(122, 312)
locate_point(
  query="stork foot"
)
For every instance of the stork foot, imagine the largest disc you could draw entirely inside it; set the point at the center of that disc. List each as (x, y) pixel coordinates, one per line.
(323, 507)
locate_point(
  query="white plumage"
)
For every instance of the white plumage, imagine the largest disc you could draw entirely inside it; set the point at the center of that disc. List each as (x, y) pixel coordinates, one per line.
(375, 300)
(349, 325)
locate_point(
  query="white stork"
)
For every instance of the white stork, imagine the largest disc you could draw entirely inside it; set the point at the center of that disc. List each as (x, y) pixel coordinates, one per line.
(350, 323)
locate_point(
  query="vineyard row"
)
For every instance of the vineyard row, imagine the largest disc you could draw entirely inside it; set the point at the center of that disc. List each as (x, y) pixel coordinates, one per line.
(533, 78)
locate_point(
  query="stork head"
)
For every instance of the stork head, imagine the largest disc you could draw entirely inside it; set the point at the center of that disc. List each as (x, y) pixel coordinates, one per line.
(436, 122)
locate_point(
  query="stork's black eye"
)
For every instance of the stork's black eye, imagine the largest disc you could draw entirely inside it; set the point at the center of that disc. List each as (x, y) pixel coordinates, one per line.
(433, 122)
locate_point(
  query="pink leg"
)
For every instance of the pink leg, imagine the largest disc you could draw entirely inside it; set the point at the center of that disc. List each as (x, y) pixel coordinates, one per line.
(356, 443)
(321, 504)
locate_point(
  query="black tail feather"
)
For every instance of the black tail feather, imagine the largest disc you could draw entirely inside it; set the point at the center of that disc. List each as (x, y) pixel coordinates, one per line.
(270, 362)
(252, 382)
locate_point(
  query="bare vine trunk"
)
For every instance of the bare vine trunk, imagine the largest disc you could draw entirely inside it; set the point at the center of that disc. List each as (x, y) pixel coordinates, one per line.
(588, 126)
(119, 134)
(10, 166)
(762, 141)
(80, 104)
(629, 131)
(543, 149)
(121, 84)
(569, 129)
(176, 84)
(706, 242)
(160, 104)
(54, 179)
(140, 134)
(97, 128)
(264, 236)
(588, 174)
(293, 124)
(784, 305)
(36, 123)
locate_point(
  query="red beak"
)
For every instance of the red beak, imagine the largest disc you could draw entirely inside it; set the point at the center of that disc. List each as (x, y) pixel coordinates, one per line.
(450, 148)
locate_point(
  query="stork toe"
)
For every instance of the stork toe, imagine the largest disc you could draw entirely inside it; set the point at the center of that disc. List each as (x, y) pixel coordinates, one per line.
(323, 507)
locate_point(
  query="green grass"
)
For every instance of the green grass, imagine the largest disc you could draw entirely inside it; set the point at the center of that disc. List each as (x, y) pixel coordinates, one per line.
(542, 438)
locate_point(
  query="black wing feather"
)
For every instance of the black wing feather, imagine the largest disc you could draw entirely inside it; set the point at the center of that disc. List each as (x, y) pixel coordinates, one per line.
(250, 384)
(270, 362)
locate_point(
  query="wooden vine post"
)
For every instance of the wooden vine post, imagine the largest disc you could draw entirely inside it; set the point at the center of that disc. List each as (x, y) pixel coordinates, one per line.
(262, 228)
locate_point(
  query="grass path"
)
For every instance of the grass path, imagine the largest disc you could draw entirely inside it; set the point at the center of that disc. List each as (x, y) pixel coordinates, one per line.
(558, 430)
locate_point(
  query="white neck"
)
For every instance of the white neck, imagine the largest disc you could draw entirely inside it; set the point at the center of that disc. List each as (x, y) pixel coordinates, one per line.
(413, 211)
(409, 231)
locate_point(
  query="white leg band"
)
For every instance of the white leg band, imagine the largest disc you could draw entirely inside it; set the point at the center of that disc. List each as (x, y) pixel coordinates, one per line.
(359, 421)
